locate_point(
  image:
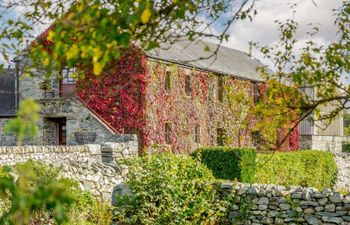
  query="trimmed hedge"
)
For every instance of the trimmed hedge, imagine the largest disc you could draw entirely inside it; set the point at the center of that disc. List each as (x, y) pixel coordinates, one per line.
(309, 168)
(229, 163)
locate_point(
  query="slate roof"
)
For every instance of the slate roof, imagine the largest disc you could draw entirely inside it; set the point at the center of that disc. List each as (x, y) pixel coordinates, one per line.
(228, 61)
(7, 92)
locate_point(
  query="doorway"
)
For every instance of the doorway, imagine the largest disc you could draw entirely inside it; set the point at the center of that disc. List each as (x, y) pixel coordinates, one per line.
(56, 131)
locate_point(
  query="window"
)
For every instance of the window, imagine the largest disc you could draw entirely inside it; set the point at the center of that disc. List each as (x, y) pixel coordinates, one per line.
(256, 138)
(220, 89)
(197, 134)
(8, 93)
(255, 92)
(67, 83)
(220, 137)
(168, 82)
(167, 133)
(67, 76)
(188, 85)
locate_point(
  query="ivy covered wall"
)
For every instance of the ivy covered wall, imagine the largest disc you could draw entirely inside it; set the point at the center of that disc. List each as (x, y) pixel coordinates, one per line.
(205, 108)
(170, 105)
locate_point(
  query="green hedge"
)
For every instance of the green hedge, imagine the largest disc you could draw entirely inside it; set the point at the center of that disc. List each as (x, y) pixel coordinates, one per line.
(309, 168)
(229, 163)
(346, 147)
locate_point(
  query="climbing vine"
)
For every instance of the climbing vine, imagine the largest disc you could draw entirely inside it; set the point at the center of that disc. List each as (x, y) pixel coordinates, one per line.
(118, 95)
(133, 98)
(276, 124)
(201, 109)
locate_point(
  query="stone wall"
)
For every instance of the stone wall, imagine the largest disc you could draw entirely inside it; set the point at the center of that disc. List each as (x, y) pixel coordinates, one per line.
(82, 163)
(343, 162)
(321, 142)
(112, 151)
(10, 155)
(109, 152)
(268, 204)
(5, 139)
(78, 118)
(100, 179)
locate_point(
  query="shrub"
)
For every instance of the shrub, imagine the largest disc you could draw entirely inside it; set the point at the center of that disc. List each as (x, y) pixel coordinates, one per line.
(346, 147)
(229, 163)
(33, 193)
(168, 189)
(29, 189)
(308, 168)
(86, 210)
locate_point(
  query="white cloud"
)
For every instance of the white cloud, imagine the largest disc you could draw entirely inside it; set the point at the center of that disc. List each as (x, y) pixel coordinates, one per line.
(263, 28)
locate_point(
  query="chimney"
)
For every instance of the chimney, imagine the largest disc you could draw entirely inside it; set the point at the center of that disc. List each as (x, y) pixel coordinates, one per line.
(250, 49)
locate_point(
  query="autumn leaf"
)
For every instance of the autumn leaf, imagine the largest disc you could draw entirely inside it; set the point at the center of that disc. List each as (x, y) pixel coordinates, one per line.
(97, 68)
(145, 16)
(72, 53)
(50, 35)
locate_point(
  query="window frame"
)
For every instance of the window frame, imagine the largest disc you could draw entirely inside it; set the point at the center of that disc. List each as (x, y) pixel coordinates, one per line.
(67, 78)
(255, 92)
(220, 133)
(188, 85)
(168, 82)
(220, 89)
(168, 131)
(197, 134)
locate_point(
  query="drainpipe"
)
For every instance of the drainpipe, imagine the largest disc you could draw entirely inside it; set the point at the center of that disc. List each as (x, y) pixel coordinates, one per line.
(17, 61)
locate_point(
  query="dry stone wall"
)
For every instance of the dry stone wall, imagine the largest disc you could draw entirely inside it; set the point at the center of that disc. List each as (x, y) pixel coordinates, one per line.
(100, 179)
(92, 165)
(109, 151)
(10, 155)
(343, 162)
(268, 204)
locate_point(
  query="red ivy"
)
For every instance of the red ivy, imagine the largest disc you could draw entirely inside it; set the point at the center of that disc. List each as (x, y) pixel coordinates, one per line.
(118, 96)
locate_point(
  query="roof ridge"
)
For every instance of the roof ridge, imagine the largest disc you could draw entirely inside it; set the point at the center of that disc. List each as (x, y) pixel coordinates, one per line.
(228, 61)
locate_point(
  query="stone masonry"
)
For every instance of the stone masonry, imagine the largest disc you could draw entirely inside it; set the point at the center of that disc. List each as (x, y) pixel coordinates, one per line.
(268, 204)
(82, 163)
(6, 139)
(343, 162)
(322, 142)
(80, 153)
(100, 179)
(78, 118)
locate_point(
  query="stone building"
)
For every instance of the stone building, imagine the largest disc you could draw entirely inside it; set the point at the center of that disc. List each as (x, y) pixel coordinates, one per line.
(180, 104)
(65, 120)
(322, 135)
(169, 97)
